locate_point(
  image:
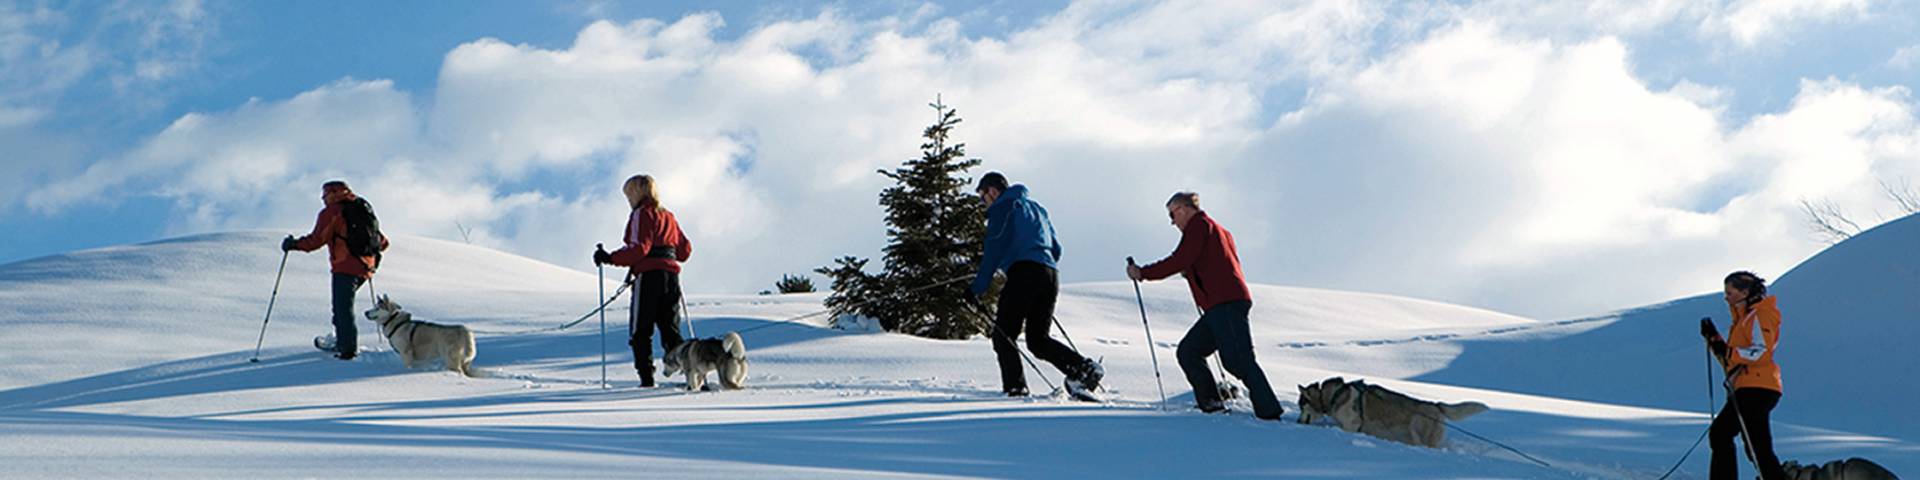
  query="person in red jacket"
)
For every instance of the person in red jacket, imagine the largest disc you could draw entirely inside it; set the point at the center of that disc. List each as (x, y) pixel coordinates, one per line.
(1752, 377)
(1207, 258)
(349, 270)
(653, 250)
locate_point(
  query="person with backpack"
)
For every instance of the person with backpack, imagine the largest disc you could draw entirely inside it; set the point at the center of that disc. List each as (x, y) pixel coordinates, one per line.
(351, 233)
(1209, 261)
(654, 248)
(1020, 242)
(1753, 378)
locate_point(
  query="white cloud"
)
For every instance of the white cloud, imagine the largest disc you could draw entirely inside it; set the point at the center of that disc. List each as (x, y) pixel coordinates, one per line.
(1472, 162)
(1905, 58)
(1753, 21)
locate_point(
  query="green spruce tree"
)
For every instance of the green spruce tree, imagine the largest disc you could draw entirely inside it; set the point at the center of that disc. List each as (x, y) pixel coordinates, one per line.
(794, 284)
(934, 230)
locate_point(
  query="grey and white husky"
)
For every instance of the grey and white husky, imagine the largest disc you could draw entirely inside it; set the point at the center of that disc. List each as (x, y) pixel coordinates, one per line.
(416, 341)
(1374, 410)
(726, 355)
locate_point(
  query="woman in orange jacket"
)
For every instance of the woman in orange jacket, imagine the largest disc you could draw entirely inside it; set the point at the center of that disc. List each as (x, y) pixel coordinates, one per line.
(1752, 376)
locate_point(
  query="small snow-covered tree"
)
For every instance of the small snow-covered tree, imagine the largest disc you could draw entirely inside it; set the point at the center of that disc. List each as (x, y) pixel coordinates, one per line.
(794, 284)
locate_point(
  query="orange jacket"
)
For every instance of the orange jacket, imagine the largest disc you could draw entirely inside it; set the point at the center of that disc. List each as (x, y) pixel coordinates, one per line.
(330, 230)
(1754, 336)
(651, 231)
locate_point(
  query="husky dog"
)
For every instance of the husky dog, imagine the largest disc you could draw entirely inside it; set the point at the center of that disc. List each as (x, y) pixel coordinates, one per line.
(1376, 411)
(727, 355)
(1849, 469)
(417, 341)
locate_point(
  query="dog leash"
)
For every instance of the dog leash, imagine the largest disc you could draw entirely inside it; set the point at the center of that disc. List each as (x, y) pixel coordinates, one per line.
(851, 305)
(564, 326)
(1703, 433)
(1366, 389)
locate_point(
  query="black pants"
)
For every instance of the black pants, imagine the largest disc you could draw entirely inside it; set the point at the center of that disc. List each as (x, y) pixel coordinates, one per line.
(346, 334)
(1223, 328)
(1027, 300)
(656, 304)
(1755, 405)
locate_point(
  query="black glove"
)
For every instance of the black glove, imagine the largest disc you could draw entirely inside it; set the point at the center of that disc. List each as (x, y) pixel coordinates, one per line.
(601, 257)
(287, 244)
(1707, 330)
(1718, 346)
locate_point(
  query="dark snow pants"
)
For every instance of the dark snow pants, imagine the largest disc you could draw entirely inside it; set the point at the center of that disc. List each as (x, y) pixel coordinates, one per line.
(1223, 328)
(1026, 304)
(656, 305)
(1755, 406)
(346, 334)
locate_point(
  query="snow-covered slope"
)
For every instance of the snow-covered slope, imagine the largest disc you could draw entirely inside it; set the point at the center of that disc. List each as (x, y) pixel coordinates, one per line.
(1850, 314)
(133, 360)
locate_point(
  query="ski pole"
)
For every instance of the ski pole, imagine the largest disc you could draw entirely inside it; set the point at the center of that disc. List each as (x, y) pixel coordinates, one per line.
(602, 270)
(270, 300)
(1063, 334)
(1151, 353)
(688, 316)
(994, 329)
(1219, 366)
(1746, 439)
(1710, 418)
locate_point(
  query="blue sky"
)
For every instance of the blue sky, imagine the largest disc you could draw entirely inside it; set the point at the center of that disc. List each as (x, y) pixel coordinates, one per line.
(1510, 155)
(263, 50)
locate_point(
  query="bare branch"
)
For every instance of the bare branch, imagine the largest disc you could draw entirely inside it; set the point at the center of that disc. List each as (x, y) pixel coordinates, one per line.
(1828, 222)
(466, 234)
(1903, 195)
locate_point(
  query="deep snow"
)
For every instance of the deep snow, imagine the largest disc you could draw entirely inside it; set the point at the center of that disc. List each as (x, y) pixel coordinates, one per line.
(132, 361)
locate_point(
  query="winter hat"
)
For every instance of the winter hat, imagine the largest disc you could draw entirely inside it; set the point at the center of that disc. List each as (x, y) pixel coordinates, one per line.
(992, 180)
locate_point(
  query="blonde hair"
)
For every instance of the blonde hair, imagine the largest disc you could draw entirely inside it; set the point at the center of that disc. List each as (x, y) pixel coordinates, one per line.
(639, 189)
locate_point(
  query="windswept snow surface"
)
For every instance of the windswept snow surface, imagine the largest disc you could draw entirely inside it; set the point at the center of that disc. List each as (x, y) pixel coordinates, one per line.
(133, 361)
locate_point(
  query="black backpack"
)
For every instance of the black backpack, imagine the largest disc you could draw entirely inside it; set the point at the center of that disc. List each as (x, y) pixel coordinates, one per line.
(363, 228)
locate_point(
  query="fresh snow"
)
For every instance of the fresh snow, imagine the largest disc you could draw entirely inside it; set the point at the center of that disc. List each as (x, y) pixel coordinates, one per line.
(132, 361)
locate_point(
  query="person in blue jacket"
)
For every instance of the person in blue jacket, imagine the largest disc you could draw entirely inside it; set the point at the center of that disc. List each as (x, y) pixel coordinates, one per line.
(1020, 242)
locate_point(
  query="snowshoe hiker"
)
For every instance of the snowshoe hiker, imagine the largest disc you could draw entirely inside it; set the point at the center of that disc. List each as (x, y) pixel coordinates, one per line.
(351, 233)
(654, 247)
(1208, 260)
(1753, 378)
(1020, 242)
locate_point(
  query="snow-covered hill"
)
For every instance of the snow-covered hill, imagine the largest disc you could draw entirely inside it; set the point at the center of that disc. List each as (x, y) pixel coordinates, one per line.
(1850, 313)
(133, 361)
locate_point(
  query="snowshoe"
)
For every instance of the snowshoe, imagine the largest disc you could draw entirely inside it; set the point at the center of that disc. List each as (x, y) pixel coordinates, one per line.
(1215, 408)
(330, 344)
(1083, 383)
(1078, 392)
(1229, 391)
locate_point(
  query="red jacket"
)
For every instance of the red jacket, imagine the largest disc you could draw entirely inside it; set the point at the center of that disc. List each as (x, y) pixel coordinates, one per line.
(330, 230)
(649, 228)
(1208, 260)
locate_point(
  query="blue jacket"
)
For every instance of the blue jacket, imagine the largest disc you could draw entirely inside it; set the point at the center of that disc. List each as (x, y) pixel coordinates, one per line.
(1017, 231)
